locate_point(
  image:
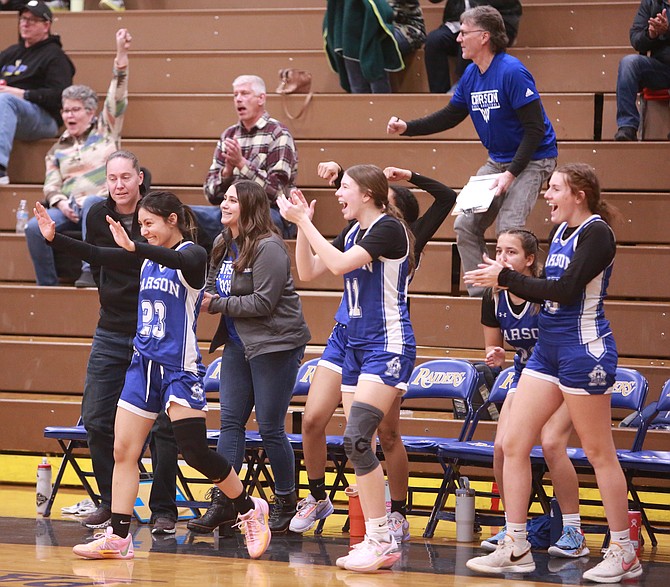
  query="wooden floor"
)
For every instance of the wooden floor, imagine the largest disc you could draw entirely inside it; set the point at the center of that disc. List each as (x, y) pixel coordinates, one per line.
(37, 552)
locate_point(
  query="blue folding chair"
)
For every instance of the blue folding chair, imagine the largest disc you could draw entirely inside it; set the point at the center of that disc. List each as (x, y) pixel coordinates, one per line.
(648, 463)
(448, 379)
(70, 438)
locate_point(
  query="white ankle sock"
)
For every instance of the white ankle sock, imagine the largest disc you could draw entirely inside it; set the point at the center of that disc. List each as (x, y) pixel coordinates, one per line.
(378, 528)
(573, 520)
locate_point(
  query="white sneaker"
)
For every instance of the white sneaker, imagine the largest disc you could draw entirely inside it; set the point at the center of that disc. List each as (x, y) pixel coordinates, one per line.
(4, 178)
(371, 555)
(398, 527)
(81, 508)
(617, 565)
(506, 558)
(387, 564)
(308, 511)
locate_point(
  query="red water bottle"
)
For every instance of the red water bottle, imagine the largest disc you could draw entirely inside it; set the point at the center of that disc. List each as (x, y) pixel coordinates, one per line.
(635, 526)
(356, 519)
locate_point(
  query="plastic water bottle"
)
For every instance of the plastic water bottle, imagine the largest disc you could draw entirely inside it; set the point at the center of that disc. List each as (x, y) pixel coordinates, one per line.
(43, 486)
(465, 511)
(21, 217)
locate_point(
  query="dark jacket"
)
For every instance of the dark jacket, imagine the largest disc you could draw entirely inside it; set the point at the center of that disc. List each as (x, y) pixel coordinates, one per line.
(510, 10)
(658, 48)
(118, 288)
(263, 302)
(43, 70)
(363, 32)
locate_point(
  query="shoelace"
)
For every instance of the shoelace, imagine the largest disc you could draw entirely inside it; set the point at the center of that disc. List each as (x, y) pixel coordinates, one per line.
(276, 509)
(303, 504)
(248, 527)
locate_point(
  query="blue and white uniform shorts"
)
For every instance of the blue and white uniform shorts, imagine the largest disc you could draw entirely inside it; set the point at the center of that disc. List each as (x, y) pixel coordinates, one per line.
(151, 387)
(588, 369)
(379, 366)
(336, 347)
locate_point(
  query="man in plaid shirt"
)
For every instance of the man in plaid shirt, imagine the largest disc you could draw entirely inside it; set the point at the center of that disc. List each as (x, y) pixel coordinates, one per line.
(258, 148)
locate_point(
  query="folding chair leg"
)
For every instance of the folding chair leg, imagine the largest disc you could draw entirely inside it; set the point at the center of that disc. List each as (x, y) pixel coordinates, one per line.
(440, 501)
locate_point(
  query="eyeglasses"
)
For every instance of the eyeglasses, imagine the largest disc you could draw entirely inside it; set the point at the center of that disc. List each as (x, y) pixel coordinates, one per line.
(75, 110)
(466, 33)
(30, 21)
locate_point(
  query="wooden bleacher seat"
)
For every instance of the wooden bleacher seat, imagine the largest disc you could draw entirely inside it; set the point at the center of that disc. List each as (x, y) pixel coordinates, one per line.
(185, 162)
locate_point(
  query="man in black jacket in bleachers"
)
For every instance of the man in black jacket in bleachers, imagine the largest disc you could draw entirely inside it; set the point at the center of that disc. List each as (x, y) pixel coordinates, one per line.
(33, 74)
(649, 36)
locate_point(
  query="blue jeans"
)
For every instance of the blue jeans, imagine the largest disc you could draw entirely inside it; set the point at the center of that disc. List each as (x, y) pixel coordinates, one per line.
(41, 253)
(510, 209)
(110, 357)
(209, 219)
(22, 120)
(265, 381)
(637, 72)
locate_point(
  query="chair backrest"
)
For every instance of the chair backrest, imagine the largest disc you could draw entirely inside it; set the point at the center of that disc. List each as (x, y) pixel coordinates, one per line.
(630, 390)
(303, 379)
(501, 386)
(212, 376)
(452, 379)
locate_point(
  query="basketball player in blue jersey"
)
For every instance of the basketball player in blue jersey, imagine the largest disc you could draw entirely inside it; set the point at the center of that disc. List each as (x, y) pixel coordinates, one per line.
(166, 370)
(574, 361)
(325, 391)
(375, 256)
(509, 318)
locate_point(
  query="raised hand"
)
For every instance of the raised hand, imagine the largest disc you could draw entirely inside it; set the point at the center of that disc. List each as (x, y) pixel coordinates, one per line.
(397, 174)
(120, 235)
(47, 226)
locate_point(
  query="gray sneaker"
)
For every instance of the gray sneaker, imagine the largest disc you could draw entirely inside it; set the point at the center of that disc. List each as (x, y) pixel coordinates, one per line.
(163, 526)
(398, 527)
(308, 511)
(100, 518)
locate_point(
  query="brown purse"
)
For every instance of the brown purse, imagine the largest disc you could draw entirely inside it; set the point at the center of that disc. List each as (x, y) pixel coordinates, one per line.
(295, 81)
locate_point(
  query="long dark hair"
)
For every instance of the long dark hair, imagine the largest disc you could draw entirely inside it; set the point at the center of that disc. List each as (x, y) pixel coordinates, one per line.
(371, 179)
(164, 203)
(254, 224)
(582, 177)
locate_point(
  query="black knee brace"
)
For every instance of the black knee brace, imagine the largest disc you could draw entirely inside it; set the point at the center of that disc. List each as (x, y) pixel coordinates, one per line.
(363, 421)
(191, 437)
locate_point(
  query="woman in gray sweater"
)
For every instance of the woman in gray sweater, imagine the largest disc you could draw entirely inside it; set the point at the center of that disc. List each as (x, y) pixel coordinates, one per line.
(264, 332)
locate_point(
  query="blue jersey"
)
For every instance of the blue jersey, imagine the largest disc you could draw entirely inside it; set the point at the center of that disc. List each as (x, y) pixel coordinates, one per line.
(519, 328)
(584, 321)
(167, 317)
(492, 98)
(376, 296)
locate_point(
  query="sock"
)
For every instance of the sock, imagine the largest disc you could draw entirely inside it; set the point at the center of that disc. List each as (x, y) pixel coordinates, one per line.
(622, 539)
(378, 528)
(518, 532)
(399, 505)
(317, 487)
(573, 520)
(121, 524)
(242, 503)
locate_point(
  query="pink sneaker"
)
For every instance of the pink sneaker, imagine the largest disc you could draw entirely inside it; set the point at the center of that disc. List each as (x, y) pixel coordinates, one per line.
(254, 526)
(106, 545)
(371, 555)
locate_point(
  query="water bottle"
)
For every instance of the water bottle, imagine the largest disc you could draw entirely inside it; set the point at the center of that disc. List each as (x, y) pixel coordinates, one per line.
(556, 521)
(22, 217)
(43, 486)
(465, 511)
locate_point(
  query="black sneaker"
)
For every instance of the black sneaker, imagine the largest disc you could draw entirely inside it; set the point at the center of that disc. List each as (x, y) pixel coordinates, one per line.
(281, 512)
(100, 518)
(220, 513)
(626, 133)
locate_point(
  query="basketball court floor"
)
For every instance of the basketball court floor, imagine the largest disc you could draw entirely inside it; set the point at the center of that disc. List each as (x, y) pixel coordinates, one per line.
(36, 552)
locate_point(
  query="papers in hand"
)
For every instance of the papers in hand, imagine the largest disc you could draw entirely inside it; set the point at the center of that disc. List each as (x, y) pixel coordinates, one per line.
(477, 195)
